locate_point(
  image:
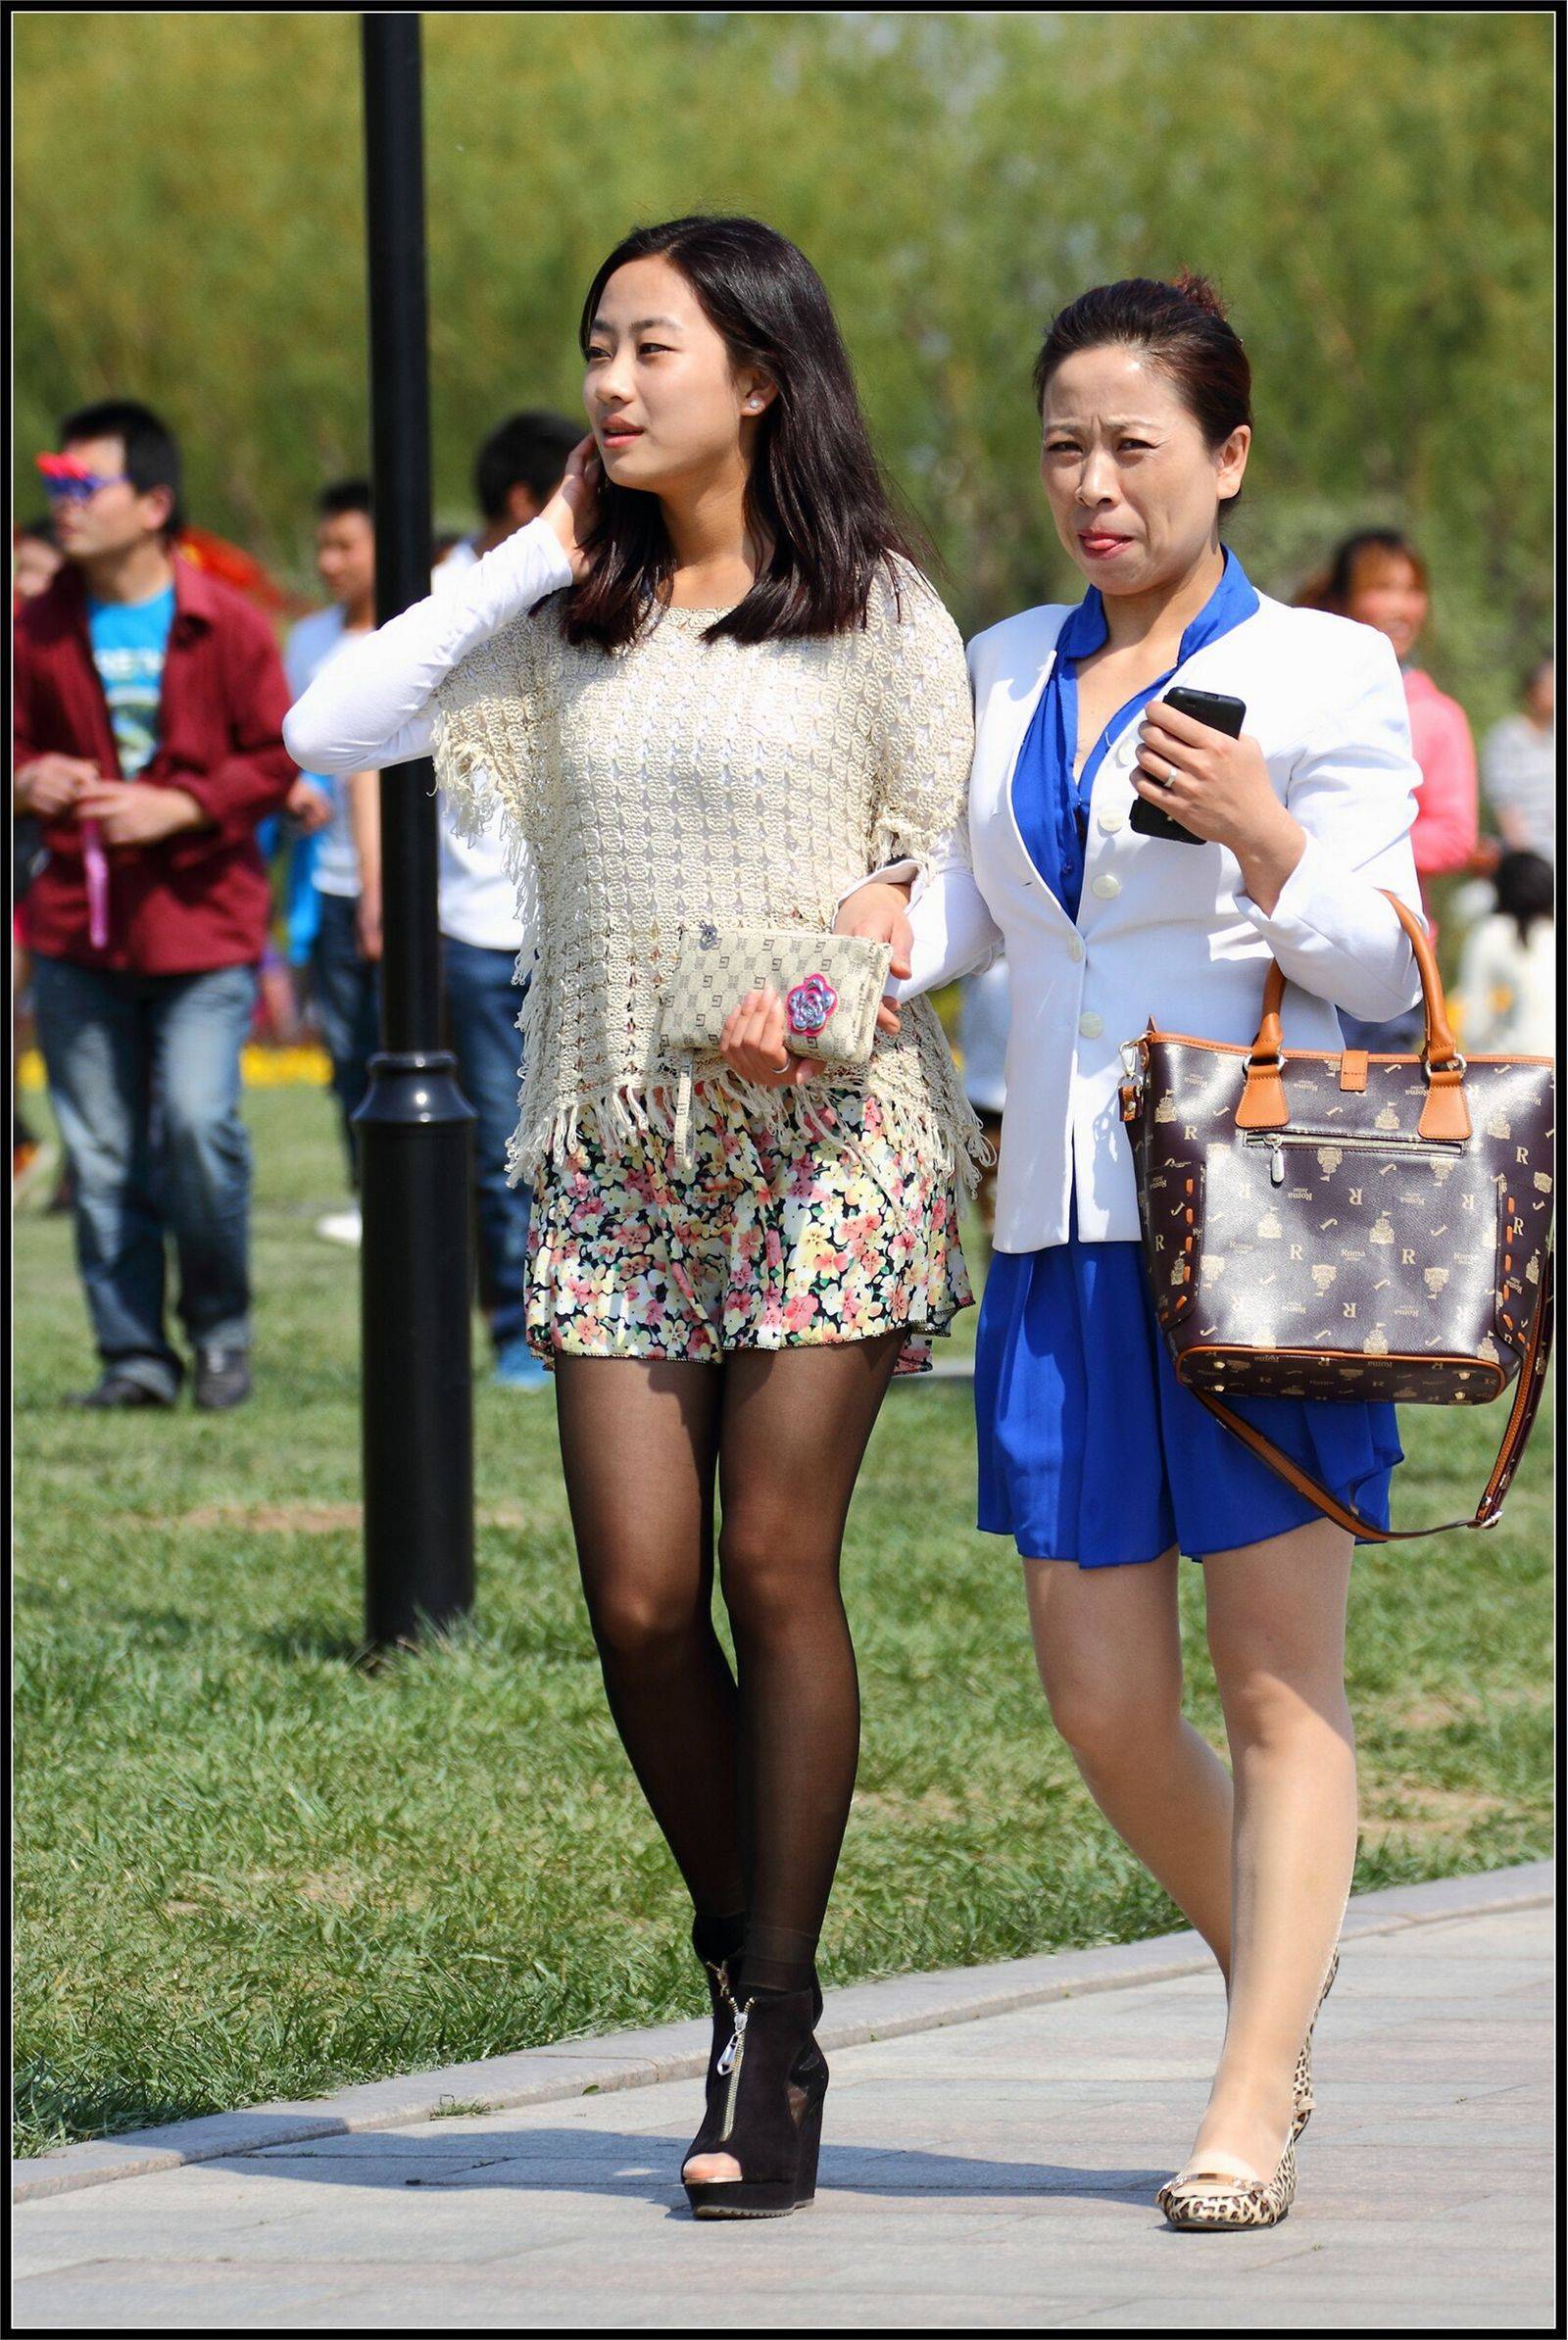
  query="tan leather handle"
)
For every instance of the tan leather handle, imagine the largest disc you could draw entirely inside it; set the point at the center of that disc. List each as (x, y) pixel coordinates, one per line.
(1263, 1103)
(1516, 1431)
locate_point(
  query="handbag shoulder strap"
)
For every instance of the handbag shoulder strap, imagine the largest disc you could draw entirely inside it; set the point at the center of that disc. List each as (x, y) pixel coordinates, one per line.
(1521, 1417)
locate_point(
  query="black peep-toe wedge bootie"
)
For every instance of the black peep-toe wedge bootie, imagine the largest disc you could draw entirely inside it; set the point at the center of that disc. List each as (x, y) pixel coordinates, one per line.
(774, 2080)
(723, 1977)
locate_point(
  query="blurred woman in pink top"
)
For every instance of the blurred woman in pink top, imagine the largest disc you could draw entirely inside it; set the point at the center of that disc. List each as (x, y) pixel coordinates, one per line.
(1380, 580)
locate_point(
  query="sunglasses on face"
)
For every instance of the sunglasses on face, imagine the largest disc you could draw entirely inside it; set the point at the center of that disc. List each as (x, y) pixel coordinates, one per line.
(67, 480)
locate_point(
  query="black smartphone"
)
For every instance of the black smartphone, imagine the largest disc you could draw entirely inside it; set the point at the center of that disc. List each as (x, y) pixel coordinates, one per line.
(1222, 712)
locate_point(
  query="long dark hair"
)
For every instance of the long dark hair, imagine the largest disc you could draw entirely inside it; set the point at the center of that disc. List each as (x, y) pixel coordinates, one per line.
(816, 492)
(1180, 327)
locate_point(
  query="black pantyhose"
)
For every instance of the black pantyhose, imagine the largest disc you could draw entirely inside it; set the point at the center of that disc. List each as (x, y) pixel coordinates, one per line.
(750, 1779)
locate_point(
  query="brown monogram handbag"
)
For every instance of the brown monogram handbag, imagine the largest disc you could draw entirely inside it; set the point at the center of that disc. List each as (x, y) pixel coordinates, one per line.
(1349, 1225)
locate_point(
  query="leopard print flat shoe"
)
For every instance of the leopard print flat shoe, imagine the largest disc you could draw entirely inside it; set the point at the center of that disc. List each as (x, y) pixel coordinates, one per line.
(1306, 2103)
(1218, 2195)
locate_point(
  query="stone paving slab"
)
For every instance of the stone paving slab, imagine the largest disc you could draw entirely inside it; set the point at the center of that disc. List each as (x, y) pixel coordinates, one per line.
(994, 2177)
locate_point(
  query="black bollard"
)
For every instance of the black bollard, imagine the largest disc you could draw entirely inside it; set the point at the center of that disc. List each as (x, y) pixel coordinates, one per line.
(415, 1127)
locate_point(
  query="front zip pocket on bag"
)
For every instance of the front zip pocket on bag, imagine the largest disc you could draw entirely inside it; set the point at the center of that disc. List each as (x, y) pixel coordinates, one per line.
(1276, 1140)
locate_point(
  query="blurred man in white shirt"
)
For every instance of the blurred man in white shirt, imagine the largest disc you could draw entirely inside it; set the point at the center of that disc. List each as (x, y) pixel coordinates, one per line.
(345, 871)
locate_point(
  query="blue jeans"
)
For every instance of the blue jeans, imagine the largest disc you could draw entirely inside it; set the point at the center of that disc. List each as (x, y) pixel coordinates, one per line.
(144, 1080)
(482, 1004)
(347, 996)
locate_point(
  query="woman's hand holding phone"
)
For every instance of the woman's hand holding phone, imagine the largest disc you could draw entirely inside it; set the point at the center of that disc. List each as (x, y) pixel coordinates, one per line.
(1219, 788)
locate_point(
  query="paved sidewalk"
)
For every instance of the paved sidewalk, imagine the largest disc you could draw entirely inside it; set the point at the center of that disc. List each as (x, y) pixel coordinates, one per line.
(995, 2173)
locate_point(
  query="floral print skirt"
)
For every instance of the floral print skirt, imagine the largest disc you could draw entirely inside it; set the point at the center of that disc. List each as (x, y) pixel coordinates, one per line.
(775, 1240)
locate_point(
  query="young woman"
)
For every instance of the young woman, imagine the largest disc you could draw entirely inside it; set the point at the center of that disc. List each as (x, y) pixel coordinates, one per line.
(1379, 578)
(708, 686)
(1092, 1457)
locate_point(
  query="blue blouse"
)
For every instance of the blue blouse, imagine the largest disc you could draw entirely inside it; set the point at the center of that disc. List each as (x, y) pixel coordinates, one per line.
(1050, 805)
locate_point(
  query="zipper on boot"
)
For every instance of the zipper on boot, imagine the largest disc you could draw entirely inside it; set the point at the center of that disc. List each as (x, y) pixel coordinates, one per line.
(730, 2062)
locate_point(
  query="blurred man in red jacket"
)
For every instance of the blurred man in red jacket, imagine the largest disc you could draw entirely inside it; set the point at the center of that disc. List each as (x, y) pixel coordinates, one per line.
(149, 708)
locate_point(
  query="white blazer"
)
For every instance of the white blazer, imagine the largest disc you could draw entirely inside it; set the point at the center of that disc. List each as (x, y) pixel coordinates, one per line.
(1165, 930)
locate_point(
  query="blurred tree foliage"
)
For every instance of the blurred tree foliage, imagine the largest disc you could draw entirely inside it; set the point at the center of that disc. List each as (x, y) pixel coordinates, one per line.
(1372, 192)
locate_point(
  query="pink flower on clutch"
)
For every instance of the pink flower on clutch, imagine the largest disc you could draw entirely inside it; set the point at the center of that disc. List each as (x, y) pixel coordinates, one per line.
(810, 1003)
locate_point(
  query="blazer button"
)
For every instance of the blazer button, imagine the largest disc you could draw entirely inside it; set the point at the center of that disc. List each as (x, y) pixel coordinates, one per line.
(1106, 888)
(1091, 1026)
(1112, 817)
(1075, 949)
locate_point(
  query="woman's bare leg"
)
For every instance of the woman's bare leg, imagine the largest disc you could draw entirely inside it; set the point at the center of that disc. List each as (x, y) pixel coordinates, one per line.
(1275, 1633)
(1108, 1643)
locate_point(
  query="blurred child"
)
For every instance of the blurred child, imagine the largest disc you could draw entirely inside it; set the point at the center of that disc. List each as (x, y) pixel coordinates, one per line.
(1508, 972)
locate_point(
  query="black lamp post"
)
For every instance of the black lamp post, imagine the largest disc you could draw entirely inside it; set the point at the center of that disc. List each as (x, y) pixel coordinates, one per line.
(415, 1127)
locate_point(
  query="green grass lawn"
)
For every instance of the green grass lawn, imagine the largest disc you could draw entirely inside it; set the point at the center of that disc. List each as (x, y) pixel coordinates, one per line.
(247, 1869)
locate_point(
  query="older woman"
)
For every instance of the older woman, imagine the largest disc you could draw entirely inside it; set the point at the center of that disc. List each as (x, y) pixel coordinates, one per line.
(1092, 1457)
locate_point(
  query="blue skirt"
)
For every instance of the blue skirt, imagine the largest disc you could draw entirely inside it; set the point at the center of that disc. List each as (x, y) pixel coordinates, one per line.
(1090, 1449)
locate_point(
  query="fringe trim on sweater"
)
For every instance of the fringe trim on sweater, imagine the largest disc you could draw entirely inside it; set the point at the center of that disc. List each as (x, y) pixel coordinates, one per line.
(631, 1112)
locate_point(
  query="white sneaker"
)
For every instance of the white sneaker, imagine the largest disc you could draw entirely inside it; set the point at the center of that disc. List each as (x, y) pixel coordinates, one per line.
(341, 1227)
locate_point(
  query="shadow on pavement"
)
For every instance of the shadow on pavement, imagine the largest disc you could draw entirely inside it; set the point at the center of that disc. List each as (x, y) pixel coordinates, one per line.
(615, 2163)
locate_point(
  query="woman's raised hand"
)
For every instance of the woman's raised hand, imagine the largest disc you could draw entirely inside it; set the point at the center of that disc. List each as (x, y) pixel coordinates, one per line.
(752, 1043)
(881, 912)
(573, 510)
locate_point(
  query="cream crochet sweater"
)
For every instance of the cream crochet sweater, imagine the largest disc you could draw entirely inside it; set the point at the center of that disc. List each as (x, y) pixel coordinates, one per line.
(678, 780)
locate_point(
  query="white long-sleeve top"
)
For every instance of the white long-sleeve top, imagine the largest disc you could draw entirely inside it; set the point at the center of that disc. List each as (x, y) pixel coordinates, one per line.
(1166, 930)
(377, 708)
(655, 790)
(477, 898)
(386, 697)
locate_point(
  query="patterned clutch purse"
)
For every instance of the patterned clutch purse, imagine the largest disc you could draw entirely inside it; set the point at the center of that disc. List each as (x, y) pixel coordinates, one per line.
(831, 985)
